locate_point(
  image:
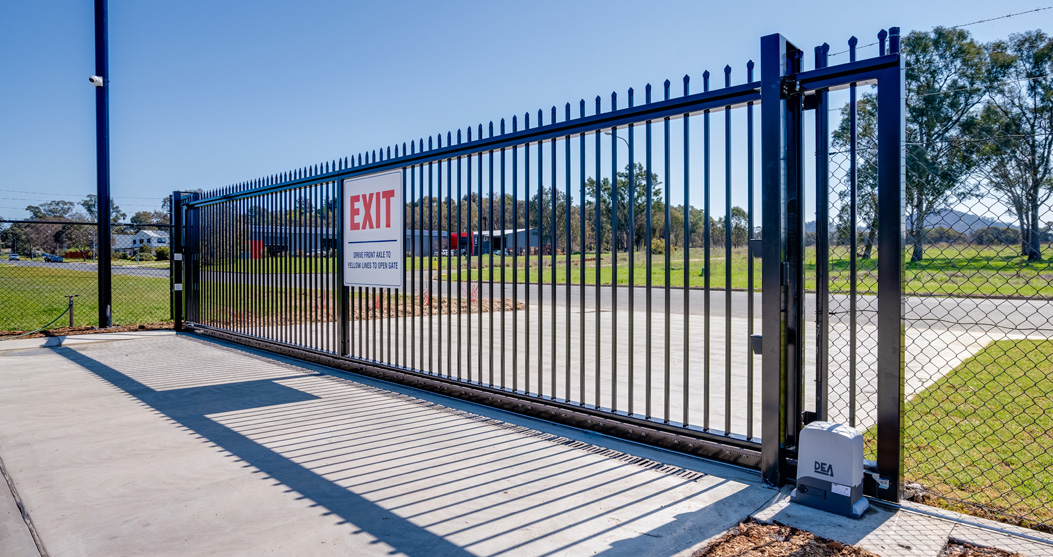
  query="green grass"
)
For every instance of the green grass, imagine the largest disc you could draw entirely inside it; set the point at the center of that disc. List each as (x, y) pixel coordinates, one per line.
(983, 434)
(945, 270)
(32, 296)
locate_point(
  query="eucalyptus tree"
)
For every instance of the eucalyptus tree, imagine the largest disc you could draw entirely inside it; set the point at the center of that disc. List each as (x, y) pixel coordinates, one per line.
(1017, 124)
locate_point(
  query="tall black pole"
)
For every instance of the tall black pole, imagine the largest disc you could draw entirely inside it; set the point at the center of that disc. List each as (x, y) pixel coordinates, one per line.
(102, 157)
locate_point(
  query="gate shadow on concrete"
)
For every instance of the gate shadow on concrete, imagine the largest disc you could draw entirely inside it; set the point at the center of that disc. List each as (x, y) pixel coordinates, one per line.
(188, 407)
(418, 476)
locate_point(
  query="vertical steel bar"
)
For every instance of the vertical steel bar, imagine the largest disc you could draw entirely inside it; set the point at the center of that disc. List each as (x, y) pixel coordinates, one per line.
(314, 247)
(687, 260)
(437, 260)
(526, 259)
(431, 264)
(647, 270)
(403, 293)
(706, 261)
(750, 288)
(822, 242)
(668, 260)
(480, 294)
(630, 236)
(290, 291)
(471, 254)
(414, 233)
(490, 274)
(598, 238)
(540, 261)
(566, 253)
(555, 242)
(504, 238)
(449, 268)
(515, 260)
(325, 267)
(728, 225)
(441, 202)
(614, 259)
(460, 266)
(581, 264)
(256, 251)
(853, 240)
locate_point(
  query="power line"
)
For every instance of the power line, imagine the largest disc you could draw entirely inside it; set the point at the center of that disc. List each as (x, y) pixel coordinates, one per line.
(77, 194)
(1012, 80)
(1006, 16)
(134, 205)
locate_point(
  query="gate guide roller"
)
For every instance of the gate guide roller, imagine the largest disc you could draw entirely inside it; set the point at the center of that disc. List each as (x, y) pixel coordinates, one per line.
(830, 469)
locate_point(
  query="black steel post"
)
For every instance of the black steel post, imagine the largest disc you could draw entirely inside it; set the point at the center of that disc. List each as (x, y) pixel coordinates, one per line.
(778, 59)
(795, 198)
(822, 241)
(175, 260)
(102, 162)
(891, 224)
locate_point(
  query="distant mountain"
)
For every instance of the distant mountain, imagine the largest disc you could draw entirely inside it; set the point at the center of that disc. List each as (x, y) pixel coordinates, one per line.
(948, 218)
(961, 222)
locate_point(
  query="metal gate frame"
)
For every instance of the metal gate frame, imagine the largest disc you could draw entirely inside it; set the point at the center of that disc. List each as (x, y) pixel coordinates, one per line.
(785, 92)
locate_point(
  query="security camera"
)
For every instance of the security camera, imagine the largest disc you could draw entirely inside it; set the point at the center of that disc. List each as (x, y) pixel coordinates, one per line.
(95, 80)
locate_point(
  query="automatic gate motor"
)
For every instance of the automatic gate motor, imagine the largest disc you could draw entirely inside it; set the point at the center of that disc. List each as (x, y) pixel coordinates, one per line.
(830, 469)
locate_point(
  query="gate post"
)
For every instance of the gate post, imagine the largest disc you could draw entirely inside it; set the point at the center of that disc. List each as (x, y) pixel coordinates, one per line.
(780, 281)
(891, 225)
(175, 260)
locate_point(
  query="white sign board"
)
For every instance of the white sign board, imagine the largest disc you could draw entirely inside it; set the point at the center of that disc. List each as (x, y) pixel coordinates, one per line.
(373, 230)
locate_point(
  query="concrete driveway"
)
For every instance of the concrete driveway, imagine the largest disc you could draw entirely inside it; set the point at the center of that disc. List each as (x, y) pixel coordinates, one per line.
(170, 445)
(157, 444)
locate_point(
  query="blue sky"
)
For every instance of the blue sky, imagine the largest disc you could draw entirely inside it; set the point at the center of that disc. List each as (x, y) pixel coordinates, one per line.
(208, 93)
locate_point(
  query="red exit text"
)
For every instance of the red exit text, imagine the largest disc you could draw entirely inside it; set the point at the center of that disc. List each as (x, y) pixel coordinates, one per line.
(367, 211)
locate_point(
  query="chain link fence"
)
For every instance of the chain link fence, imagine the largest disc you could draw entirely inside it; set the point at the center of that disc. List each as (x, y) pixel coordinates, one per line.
(46, 266)
(978, 419)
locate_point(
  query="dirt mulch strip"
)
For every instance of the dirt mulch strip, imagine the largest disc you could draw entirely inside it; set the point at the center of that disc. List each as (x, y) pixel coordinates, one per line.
(757, 539)
(956, 548)
(68, 331)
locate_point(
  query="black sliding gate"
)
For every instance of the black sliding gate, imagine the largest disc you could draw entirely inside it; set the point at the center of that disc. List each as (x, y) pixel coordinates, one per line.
(639, 268)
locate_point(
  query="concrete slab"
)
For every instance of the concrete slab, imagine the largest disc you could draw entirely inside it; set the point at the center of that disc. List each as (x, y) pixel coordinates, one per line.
(913, 530)
(169, 445)
(74, 340)
(175, 446)
(15, 537)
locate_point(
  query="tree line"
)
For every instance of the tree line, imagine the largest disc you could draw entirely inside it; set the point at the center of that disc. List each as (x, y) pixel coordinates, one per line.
(979, 127)
(72, 229)
(548, 209)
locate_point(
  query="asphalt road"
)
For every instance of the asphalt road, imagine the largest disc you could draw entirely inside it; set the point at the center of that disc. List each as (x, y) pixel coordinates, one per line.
(989, 315)
(130, 270)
